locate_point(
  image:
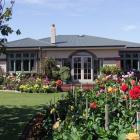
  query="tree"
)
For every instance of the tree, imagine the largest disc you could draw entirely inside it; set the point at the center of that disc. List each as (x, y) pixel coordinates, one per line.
(5, 29)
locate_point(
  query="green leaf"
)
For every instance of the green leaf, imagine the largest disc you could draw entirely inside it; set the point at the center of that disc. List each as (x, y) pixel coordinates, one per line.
(122, 136)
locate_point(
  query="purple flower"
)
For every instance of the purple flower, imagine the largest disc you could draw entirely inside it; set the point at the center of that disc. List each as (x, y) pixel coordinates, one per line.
(102, 90)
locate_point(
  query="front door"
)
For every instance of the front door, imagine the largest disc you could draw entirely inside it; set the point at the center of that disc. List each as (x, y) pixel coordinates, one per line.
(82, 69)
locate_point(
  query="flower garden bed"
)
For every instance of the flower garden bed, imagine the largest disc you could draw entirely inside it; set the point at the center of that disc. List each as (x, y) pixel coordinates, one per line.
(108, 112)
(30, 84)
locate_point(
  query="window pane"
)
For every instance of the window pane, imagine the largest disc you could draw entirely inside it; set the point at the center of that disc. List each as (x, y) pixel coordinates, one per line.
(135, 55)
(32, 55)
(128, 65)
(32, 65)
(121, 55)
(12, 65)
(18, 65)
(18, 55)
(89, 76)
(79, 76)
(85, 76)
(66, 62)
(26, 65)
(89, 60)
(122, 64)
(75, 77)
(96, 66)
(135, 64)
(85, 70)
(128, 55)
(26, 55)
(11, 55)
(79, 70)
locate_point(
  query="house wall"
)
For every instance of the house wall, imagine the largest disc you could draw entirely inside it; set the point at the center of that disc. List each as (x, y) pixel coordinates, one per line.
(3, 63)
(109, 62)
(108, 55)
(67, 53)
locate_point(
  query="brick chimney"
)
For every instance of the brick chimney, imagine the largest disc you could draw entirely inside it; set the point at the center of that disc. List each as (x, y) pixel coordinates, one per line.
(53, 34)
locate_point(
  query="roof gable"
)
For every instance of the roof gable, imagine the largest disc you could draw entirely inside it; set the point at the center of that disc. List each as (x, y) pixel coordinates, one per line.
(27, 42)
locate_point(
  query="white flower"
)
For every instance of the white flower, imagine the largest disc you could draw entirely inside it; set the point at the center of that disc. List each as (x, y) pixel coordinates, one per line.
(123, 79)
(126, 76)
(128, 73)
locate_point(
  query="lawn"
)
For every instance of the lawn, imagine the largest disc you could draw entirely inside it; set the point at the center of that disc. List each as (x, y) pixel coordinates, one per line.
(16, 109)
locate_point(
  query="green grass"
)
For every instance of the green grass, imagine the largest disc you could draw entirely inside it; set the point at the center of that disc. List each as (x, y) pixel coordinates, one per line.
(16, 109)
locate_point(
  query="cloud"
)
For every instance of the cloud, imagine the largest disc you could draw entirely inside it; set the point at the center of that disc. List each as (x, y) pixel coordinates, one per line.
(129, 28)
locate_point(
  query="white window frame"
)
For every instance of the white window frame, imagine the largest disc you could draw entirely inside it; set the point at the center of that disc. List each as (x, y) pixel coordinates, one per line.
(82, 80)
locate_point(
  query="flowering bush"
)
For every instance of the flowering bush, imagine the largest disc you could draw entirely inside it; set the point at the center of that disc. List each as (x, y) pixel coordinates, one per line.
(105, 112)
(30, 84)
(35, 85)
(107, 69)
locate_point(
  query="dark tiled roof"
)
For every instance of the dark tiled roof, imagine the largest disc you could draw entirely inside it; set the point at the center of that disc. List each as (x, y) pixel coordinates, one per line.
(85, 40)
(27, 42)
(72, 41)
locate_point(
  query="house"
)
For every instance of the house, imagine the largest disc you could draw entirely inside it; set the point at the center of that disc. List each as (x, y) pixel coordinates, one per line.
(84, 54)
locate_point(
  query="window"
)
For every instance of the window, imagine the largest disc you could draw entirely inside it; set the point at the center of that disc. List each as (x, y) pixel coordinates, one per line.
(63, 62)
(12, 65)
(130, 60)
(66, 62)
(96, 67)
(25, 65)
(18, 65)
(32, 65)
(25, 62)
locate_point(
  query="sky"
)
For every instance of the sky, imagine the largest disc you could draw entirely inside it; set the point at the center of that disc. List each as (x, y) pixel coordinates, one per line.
(115, 19)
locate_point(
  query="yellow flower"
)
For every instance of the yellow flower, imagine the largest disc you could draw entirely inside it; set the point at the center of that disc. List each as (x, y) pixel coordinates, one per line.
(45, 86)
(104, 79)
(71, 108)
(52, 111)
(115, 89)
(56, 125)
(38, 80)
(109, 89)
(97, 81)
(132, 136)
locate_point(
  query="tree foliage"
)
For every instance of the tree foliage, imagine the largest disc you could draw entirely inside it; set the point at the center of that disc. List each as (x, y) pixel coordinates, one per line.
(5, 16)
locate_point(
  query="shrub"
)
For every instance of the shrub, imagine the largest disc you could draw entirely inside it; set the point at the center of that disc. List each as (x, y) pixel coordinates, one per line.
(107, 69)
(64, 73)
(50, 68)
(1, 79)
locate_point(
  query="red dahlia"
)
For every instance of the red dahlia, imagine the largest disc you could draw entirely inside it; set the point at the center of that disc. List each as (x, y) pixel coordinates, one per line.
(135, 93)
(93, 105)
(124, 87)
